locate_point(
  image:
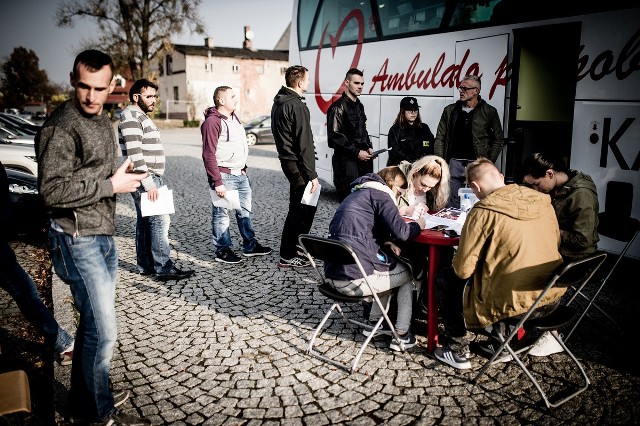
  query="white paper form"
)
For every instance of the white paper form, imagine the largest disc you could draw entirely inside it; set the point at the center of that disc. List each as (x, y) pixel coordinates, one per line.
(231, 199)
(308, 198)
(163, 205)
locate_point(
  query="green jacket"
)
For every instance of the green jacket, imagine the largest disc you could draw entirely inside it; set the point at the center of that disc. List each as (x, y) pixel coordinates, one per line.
(576, 206)
(488, 138)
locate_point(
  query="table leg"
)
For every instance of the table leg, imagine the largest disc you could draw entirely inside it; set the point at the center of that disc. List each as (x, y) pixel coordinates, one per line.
(432, 306)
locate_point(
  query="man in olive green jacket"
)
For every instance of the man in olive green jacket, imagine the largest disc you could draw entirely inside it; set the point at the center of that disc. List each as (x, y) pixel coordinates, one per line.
(509, 248)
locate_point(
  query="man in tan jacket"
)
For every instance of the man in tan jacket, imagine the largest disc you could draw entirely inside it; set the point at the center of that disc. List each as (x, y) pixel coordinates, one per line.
(508, 249)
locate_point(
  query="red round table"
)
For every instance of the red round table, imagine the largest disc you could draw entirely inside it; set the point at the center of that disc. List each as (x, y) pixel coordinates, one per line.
(434, 240)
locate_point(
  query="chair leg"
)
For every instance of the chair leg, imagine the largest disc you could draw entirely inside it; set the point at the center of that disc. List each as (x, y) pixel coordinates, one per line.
(585, 311)
(514, 354)
(351, 367)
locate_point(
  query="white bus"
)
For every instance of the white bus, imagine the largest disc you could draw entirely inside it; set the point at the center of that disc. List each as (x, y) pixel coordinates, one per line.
(564, 76)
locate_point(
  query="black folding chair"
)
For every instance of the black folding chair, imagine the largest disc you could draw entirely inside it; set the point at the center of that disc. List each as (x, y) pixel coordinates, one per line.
(575, 274)
(614, 222)
(328, 250)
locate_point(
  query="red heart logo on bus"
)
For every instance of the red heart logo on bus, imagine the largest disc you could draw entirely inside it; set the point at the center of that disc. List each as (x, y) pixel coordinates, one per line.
(354, 14)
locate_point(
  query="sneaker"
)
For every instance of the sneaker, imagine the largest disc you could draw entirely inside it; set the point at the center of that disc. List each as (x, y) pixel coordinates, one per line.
(121, 418)
(174, 274)
(120, 398)
(258, 250)
(294, 262)
(446, 355)
(408, 339)
(228, 256)
(383, 329)
(546, 346)
(489, 347)
(66, 356)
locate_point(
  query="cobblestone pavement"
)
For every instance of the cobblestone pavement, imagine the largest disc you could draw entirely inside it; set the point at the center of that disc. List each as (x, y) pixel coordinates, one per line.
(228, 346)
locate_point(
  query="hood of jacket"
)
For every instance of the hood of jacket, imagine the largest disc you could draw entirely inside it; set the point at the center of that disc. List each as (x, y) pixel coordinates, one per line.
(372, 181)
(285, 95)
(213, 111)
(518, 202)
(579, 180)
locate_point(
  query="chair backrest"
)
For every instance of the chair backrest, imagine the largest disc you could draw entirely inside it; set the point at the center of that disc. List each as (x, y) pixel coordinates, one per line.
(578, 272)
(328, 250)
(619, 199)
(575, 274)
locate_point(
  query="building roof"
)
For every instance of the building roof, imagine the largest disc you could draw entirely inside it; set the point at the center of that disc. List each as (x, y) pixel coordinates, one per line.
(232, 52)
(283, 43)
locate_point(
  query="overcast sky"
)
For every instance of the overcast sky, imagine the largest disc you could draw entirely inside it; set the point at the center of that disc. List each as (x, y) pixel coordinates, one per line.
(31, 24)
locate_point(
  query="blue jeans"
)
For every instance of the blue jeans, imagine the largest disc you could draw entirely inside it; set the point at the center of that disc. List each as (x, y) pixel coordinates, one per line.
(220, 216)
(152, 237)
(89, 265)
(24, 292)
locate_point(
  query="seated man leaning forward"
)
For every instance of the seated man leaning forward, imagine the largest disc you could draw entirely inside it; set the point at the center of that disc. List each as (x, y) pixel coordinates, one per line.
(368, 219)
(507, 251)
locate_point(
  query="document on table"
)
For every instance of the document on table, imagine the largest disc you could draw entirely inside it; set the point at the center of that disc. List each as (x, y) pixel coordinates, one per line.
(163, 205)
(231, 199)
(452, 218)
(308, 198)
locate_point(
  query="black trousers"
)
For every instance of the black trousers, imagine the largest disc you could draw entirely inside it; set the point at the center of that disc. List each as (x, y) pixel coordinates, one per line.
(300, 216)
(345, 170)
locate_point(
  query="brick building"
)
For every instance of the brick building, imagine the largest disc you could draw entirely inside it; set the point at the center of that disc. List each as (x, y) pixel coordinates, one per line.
(189, 74)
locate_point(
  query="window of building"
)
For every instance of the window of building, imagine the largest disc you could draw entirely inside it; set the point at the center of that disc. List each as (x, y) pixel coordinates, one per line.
(235, 68)
(176, 94)
(169, 63)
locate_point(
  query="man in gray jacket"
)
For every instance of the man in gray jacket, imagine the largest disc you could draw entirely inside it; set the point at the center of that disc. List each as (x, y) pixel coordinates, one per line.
(78, 180)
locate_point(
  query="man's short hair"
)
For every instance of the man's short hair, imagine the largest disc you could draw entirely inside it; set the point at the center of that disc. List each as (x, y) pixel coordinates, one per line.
(136, 88)
(477, 168)
(216, 94)
(294, 74)
(389, 175)
(473, 78)
(94, 60)
(352, 72)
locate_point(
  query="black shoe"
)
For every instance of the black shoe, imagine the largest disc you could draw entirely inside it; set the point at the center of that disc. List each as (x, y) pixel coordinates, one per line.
(121, 418)
(258, 250)
(174, 274)
(228, 256)
(488, 347)
(119, 398)
(146, 272)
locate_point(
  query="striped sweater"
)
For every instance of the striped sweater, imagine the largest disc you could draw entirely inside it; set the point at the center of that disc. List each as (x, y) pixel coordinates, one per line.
(140, 141)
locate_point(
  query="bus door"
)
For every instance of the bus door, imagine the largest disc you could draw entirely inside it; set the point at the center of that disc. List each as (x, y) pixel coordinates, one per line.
(543, 88)
(490, 54)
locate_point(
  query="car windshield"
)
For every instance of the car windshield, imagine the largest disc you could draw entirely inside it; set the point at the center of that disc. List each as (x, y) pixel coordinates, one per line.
(256, 121)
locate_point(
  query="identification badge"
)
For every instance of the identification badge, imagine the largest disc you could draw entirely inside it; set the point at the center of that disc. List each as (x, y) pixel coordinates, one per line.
(425, 144)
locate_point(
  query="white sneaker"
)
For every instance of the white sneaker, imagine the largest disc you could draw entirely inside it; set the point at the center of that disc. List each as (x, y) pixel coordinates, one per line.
(546, 346)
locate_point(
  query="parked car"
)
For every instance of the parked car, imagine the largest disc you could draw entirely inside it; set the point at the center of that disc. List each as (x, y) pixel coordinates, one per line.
(19, 157)
(9, 137)
(16, 121)
(259, 130)
(30, 213)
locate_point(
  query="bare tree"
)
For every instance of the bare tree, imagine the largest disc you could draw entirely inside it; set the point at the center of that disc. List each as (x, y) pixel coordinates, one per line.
(133, 32)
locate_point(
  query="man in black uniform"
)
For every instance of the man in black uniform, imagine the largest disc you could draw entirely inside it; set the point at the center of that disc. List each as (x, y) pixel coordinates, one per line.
(347, 135)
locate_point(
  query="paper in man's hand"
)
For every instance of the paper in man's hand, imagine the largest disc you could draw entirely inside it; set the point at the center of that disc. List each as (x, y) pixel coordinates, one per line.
(231, 199)
(163, 205)
(308, 198)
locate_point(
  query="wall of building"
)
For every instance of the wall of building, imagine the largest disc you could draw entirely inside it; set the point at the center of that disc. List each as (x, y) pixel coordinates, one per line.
(255, 81)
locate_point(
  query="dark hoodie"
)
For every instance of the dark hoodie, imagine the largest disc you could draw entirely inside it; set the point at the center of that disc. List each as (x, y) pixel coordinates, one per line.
(365, 220)
(576, 206)
(290, 123)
